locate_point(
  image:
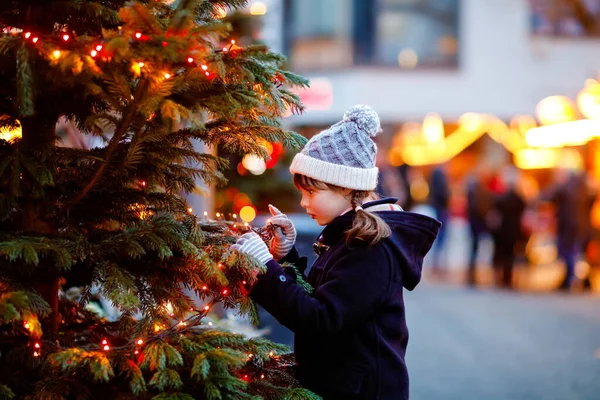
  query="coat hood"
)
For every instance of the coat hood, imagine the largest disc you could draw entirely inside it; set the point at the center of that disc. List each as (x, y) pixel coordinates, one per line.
(412, 235)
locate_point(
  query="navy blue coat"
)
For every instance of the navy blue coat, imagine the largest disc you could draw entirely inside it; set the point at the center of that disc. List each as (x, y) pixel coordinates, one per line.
(351, 333)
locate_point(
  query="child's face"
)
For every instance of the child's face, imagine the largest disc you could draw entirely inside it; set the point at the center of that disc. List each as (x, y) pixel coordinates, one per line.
(324, 205)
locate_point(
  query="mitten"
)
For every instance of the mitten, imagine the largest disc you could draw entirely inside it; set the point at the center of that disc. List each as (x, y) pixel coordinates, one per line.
(251, 244)
(284, 233)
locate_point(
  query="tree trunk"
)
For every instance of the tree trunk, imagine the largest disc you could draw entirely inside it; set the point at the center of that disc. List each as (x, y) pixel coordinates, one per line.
(38, 139)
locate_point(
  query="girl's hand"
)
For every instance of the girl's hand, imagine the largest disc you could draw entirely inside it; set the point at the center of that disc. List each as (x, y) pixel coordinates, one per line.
(284, 233)
(251, 244)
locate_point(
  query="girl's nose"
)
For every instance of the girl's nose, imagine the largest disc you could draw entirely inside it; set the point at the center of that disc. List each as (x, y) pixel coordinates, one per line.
(304, 202)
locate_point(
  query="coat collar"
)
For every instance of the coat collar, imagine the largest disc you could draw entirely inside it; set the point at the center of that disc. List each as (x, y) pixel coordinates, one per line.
(336, 229)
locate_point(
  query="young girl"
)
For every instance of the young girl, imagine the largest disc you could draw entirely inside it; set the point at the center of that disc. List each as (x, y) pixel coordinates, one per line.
(350, 333)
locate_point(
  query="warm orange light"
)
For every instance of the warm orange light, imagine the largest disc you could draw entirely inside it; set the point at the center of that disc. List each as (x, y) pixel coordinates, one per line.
(190, 60)
(99, 47)
(248, 213)
(56, 54)
(258, 8)
(204, 67)
(167, 75)
(140, 341)
(555, 110)
(588, 100)
(93, 53)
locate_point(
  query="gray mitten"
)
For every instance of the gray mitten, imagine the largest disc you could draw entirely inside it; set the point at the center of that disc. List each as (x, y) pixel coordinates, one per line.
(251, 244)
(284, 233)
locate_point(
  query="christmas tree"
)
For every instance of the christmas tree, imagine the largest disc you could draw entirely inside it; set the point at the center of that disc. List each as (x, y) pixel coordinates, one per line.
(151, 79)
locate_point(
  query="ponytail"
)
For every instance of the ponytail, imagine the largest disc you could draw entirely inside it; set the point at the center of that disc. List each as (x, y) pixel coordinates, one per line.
(366, 226)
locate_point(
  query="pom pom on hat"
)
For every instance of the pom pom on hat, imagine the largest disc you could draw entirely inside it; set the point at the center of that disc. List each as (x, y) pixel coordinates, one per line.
(365, 118)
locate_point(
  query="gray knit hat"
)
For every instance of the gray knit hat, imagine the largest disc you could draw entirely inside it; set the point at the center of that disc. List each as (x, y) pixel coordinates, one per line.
(344, 154)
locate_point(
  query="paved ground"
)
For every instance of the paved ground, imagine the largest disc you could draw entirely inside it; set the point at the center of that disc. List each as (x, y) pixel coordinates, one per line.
(496, 345)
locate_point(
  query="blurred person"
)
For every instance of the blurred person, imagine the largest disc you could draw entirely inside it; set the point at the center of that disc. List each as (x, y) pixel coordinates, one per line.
(350, 332)
(571, 198)
(479, 204)
(504, 222)
(439, 199)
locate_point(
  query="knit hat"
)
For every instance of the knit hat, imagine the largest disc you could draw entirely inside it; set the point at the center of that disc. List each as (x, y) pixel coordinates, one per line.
(344, 154)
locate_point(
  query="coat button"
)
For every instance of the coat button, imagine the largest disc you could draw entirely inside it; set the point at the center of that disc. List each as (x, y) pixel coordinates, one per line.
(282, 278)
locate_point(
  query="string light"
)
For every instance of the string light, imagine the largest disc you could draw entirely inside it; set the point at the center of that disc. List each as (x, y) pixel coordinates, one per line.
(218, 215)
(190, 60)
(93, 53)
(207, 308)
(232, 41)
(262, 376)
(138, 35)
(37, 345)
(182, 323)
(225, 291)
(136, 352)
(140, 342)
(207, 73)
(143, 183)
(190, 210)
(26, 324)
(204, 287)
(65, 37)
(105, 341)
(244, 282)
(225, 49)
(167, 75)
(210, 324)
(250, 355)
(204, 67)
(27, 35)
(99, 47)
(35, 40)
(234, 215)
(56, 54)
(206, 213)
(141, 64)
(106, 348)
(36, 354)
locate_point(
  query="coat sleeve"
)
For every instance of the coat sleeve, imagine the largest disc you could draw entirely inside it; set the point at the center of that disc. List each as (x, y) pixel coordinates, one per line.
(355, 284)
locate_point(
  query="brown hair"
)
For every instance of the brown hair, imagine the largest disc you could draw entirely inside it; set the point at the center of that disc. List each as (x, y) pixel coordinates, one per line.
(366, 226)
